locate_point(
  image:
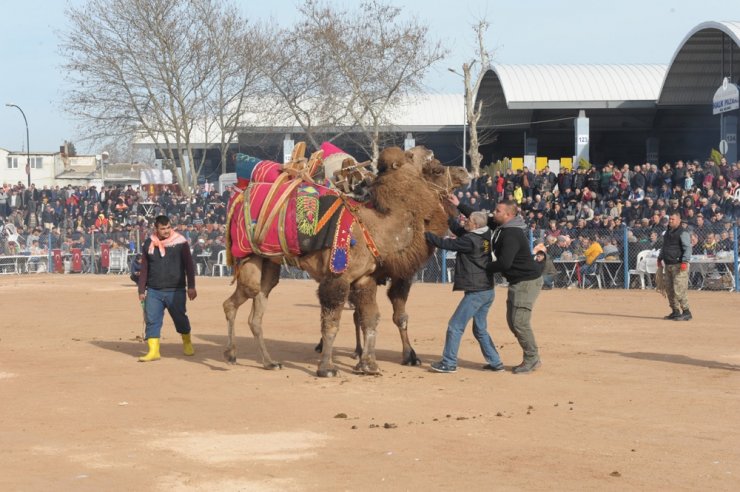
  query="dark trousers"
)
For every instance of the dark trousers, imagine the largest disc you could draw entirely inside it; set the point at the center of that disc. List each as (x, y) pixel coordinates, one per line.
(156, 302)
(519, 305)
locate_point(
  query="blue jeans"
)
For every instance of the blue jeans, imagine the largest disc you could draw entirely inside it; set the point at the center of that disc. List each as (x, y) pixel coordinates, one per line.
(473, 305)
(156, 302)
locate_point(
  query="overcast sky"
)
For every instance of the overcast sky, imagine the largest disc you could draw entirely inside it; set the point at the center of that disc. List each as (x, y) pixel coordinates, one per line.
(521, 32)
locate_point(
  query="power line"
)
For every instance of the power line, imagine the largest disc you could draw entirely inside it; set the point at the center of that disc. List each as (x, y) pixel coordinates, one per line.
(535, 122)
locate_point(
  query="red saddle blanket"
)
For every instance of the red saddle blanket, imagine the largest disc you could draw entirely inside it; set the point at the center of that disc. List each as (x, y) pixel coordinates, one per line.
(312, 217)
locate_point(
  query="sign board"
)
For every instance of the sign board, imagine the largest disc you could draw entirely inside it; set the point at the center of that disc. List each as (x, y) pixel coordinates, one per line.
(226, 179)
(723, 147)
(156, 176)
(726, 98)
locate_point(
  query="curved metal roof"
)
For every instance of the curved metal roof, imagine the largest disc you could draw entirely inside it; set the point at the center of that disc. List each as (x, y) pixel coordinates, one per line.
(696, 67)
(578, 86)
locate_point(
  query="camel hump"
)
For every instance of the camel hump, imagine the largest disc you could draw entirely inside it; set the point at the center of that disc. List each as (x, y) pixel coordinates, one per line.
(393, 158)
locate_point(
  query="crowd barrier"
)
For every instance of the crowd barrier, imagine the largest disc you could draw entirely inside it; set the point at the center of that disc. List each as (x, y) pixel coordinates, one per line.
(628, 261)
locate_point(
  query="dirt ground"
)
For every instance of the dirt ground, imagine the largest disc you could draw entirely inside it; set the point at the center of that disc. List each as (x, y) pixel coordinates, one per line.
(624, 400)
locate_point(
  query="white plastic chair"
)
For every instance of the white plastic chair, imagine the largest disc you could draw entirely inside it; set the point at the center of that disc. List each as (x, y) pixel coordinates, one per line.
(220, 264)
(641, 268)
(118, 260)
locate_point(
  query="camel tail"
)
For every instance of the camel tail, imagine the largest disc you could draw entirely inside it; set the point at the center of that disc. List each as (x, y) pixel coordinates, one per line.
(235, 276)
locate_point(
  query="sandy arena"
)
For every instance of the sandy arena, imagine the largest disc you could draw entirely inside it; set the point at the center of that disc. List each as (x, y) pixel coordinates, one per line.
(624, 400)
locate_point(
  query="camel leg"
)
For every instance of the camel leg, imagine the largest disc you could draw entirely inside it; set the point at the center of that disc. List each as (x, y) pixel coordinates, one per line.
(356, 317)
(366, 308)
(248, 286)
(231, 306)
(398, 293)
(333, 293)
(269, 279)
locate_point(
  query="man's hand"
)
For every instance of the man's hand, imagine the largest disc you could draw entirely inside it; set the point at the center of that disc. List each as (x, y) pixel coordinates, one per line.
(453, 199)
(684, 267)
(192, 294)
(660, 263)
(142, 297)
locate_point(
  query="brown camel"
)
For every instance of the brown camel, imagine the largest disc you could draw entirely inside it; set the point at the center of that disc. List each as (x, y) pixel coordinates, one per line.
(405, 206)
(441, 179)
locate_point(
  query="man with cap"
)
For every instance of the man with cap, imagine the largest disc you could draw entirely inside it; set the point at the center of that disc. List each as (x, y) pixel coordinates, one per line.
(676, 255)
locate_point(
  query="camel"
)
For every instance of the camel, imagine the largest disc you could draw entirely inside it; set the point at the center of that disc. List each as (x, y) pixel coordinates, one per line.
(442, 179)
(405, 206)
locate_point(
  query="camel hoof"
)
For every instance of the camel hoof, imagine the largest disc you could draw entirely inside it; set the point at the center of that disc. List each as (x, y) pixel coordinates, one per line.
(327, 373)
(356, 355)
(230, 357)
(411, 360)
(371, 369)
(273, 366)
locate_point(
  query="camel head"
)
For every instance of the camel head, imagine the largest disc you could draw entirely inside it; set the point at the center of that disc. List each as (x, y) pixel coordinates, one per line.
(421, 156)
(447, 178)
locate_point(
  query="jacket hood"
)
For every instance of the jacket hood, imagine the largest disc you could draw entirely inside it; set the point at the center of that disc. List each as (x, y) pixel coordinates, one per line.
(515, 222)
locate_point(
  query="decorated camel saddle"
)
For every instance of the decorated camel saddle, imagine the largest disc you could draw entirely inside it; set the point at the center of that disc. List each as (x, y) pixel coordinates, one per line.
(285, 210)
(346, 174)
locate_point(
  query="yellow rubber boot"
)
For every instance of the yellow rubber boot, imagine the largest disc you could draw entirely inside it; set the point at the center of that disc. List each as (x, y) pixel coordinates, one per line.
(153, 350)
(187, 345)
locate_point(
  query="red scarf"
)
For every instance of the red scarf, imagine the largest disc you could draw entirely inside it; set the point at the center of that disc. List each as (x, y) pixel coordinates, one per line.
(175, 238)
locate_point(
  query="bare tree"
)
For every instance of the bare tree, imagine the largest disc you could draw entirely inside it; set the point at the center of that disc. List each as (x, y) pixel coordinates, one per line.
(155, 69)
(371, 57)
(237, 48)
(301, 91)
(473, 111)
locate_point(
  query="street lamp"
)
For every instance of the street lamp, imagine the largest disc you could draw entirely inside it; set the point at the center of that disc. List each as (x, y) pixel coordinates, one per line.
(28, 145)
(465, 116)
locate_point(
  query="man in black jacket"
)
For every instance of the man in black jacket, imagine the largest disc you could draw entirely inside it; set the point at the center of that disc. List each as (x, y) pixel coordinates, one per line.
(513, 258)
(473, 247)
(166, 268)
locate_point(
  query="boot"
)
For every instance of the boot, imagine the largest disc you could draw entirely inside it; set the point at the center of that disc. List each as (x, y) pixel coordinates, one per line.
(153, 350)
(187, 345)
(686, 316)
(675, 314)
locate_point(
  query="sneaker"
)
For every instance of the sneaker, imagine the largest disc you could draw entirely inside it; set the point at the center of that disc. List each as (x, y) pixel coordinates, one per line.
(686, 316)
(525, 368)
(442, 367)
(675, 314)
(498, 368)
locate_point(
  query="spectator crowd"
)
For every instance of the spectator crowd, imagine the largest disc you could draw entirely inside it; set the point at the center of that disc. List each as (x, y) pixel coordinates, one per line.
(570, 212)
(34, 220)
(587, 209)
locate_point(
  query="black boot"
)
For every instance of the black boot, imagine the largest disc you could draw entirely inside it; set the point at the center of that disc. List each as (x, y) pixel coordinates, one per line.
(686, 316)
(674, 315)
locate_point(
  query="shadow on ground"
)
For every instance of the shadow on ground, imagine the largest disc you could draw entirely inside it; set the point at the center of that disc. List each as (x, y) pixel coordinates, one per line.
(619, 315)
(292, 355)
(676, 359)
